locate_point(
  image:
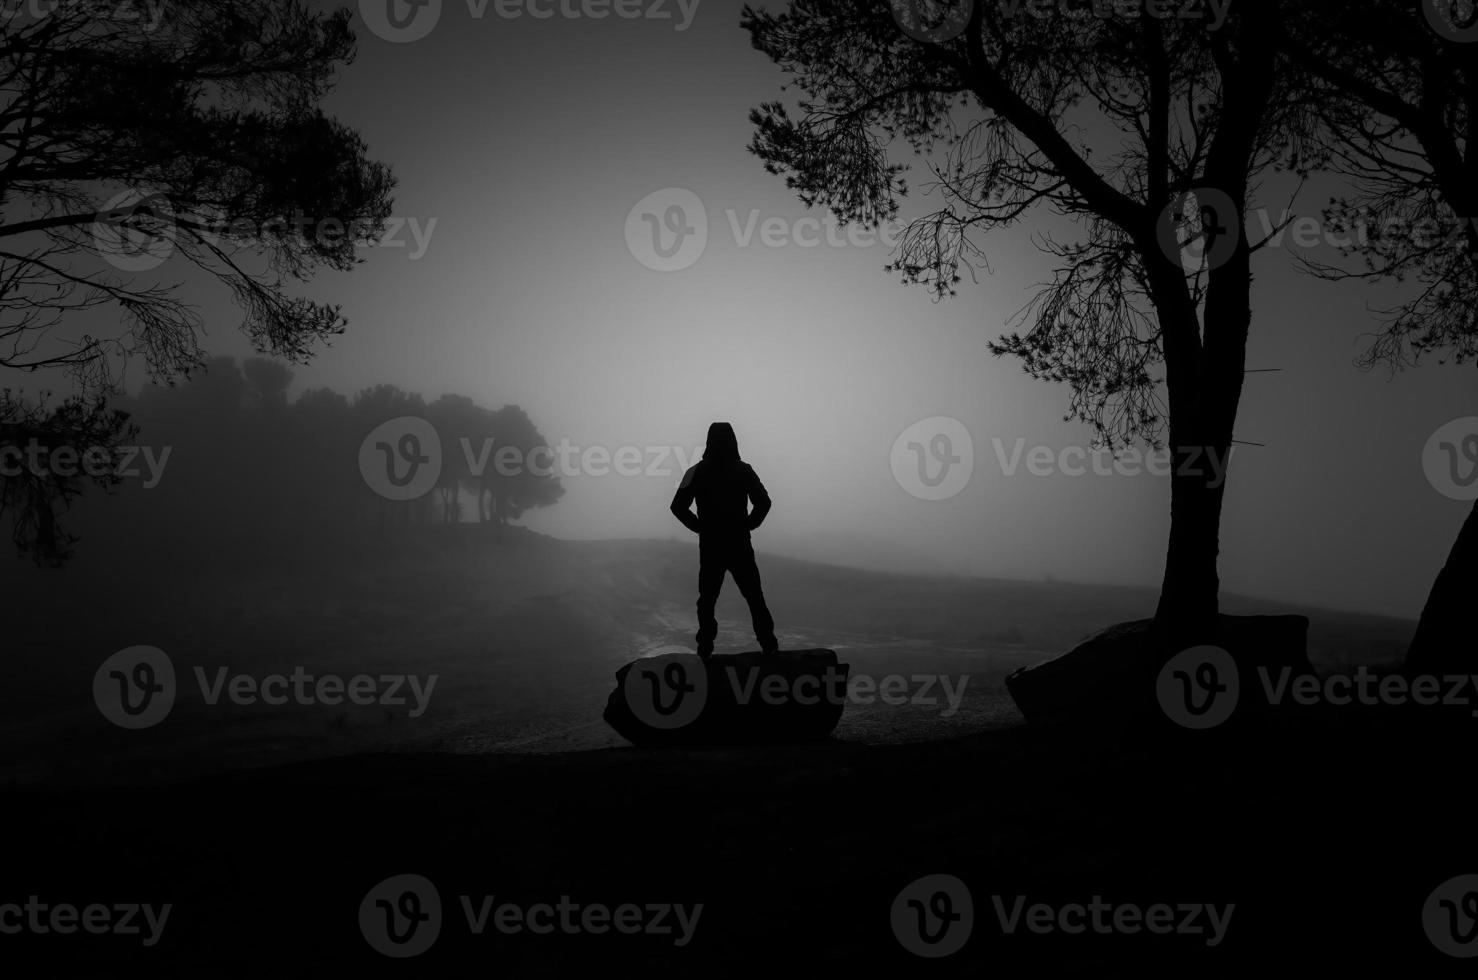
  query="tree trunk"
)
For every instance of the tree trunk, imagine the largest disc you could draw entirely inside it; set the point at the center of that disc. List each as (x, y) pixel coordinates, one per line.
(1188, 592)
(1436, 647)
(1201, 447)
(1204, 371)
(1188, 604)
(1201, 450)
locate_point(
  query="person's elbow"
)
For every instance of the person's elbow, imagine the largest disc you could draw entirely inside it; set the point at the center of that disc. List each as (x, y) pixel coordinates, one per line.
(685, 516)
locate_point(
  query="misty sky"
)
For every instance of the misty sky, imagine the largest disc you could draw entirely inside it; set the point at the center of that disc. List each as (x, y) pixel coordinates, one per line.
(528, 143)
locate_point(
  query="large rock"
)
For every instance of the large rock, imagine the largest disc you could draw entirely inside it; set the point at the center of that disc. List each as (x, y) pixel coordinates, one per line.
(729, 699)
(1122, 672)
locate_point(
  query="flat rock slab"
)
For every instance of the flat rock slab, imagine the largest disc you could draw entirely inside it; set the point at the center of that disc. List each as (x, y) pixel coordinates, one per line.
(729, 699)
(1126, 671)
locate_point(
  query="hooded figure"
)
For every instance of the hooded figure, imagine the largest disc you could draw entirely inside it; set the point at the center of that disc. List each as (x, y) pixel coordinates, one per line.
(724, 487)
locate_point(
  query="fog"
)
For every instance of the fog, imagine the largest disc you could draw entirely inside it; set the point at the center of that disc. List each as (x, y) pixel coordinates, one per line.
(522, 148)
(386, 593)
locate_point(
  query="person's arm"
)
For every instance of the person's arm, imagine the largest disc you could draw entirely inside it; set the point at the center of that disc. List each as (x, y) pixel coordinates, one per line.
(682, 504)
(759, 498)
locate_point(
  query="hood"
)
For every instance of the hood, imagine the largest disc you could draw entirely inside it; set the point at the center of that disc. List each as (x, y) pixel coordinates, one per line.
(722, 443)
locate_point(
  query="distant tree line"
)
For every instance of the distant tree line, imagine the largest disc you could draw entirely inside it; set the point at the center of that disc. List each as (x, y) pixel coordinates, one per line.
(235, 463)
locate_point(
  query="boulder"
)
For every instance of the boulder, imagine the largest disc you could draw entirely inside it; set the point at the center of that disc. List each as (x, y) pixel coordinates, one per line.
(1125, 671)
(729, 699)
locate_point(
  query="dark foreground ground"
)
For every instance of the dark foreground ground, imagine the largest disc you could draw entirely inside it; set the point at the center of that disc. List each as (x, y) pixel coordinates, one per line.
(1327, 831)
(266, 829)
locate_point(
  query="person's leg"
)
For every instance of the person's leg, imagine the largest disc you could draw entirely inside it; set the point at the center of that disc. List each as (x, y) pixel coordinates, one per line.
(711, 567)
(747, 577)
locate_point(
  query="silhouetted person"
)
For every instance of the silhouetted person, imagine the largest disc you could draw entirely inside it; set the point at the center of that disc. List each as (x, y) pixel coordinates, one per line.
(724, 486)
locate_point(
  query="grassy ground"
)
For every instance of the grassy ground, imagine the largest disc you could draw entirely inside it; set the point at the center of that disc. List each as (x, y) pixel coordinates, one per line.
(524, 635)
(266, 828)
